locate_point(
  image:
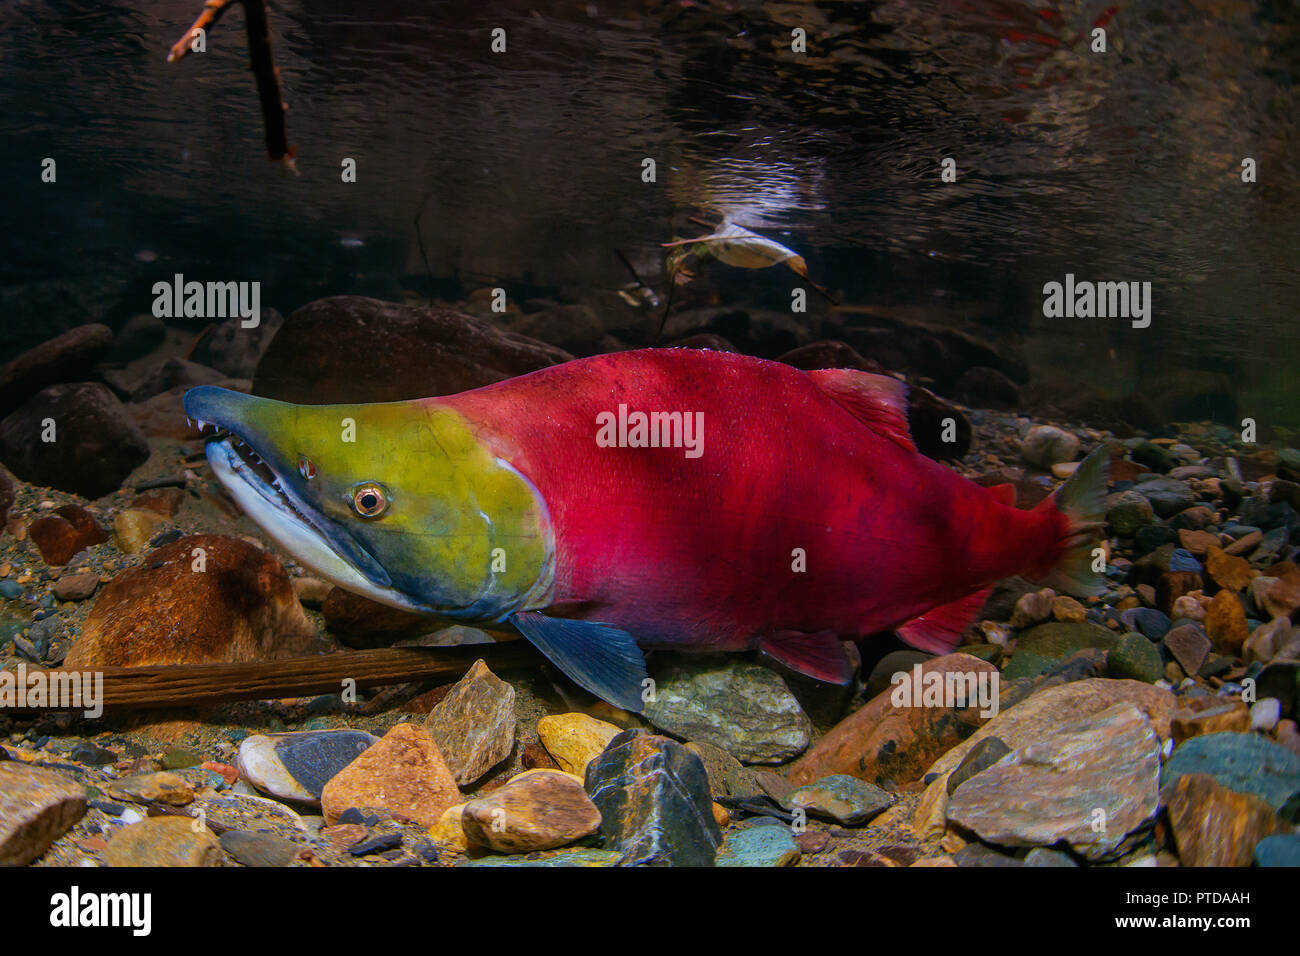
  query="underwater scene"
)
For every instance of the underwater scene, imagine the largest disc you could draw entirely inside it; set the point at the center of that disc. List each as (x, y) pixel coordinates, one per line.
(686, 433)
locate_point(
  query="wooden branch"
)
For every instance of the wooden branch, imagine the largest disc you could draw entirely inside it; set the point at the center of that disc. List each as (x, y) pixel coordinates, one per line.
(190, 685)
(263, 65)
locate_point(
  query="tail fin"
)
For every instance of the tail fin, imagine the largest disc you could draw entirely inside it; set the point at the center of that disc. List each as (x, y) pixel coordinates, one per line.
(1080, 501)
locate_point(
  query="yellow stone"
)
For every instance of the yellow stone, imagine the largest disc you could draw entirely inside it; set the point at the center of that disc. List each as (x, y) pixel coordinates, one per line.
(448, 834)
(133, 528)
(574, 740)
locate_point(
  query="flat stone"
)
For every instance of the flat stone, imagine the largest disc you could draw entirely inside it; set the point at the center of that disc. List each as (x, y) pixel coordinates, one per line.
(537, 810)
(1041, 715)
(891, 745)
(980, 757)
(259, 849)
(1245, 763)
(37, 806)
(586, 856)
(161, 787)
(474, 725)
(1215, 826)
(759, 846)
(744, 708)
(404, 773)
(76, 587)
(1052, 642)
(1231, 717)
(1228, 572)
(1051, 790)
(296, 766)
(654, 802)
(844, 799)
(1189, 646)
(163, 841)
(574, 740)
(1278, 850)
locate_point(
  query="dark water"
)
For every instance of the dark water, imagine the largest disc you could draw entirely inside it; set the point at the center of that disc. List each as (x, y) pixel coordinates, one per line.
(527, 165)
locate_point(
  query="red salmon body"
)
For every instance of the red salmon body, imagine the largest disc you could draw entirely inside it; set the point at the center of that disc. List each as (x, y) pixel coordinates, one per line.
(802, 509)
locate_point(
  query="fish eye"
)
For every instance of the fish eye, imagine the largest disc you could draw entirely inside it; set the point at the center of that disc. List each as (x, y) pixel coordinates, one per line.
(306, 467)
(369, 500)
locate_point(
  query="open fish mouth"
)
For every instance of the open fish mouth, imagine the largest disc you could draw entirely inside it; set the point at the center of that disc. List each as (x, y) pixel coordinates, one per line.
(315, 541)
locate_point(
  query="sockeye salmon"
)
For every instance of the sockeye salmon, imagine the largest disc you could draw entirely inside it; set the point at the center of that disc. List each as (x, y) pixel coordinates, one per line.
(657, 498)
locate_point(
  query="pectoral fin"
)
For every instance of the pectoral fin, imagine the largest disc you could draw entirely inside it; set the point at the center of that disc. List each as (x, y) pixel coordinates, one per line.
(598, 657)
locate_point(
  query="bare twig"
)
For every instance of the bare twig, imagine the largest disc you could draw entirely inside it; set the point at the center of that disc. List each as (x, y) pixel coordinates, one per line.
(263, 65)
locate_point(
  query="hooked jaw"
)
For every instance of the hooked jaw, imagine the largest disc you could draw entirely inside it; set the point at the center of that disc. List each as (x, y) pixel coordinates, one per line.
(244, 457)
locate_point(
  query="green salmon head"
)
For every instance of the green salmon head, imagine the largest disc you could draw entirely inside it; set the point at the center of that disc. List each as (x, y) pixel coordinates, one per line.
(400, 502)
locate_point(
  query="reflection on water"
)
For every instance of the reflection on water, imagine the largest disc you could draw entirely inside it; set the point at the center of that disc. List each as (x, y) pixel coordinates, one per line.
(525, 167)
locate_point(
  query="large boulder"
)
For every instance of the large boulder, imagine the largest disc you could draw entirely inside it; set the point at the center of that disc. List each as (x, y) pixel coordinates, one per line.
(66, 358)
(96, 444)
(354, 349)
(203, 599)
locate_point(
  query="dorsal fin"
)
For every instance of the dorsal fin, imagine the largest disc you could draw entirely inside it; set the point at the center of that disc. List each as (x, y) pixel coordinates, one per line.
(878, 401)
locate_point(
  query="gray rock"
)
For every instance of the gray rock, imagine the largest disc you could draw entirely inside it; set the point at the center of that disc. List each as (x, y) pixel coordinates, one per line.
(744, 708)
(1047, 445)
(296, 766)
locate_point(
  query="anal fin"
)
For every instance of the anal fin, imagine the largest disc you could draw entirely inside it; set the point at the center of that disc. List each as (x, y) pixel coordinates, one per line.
(821, 656)
(598, 657)
(939, 629)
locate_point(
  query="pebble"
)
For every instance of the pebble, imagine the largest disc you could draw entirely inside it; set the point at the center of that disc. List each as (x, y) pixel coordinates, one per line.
(575, 739)
(759, 846)
(37, 806)
(1136, 658)
(163, 841)
(841, 798)
(1215, 826)
(259, 849)
(404, 773)
(537, 810)
(1231, 717)
(133, 527)
(1265, 713)
(474, 725)
(162, 787)
(1189, 646)
(296, 766)
(1278, 850)
(65, 533)
(1047, 445)
(1225, 623)
(742, 707)
(75, 587)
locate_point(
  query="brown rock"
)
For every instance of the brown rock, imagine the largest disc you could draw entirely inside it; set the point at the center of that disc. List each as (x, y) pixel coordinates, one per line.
(96, 444)
(1051, 790)
(240, 607)
(1228, 572)
(7, 494)
(1245, 544)
(133, 528)
(1215, 826)
(312, 359)
(403, 772)
(1174, 584)
(75, 587)
(474, 725)
(66, 358)
(345, 834)
(888, 745)
(829, 353)
(1032, 608)
(535, 757)
(161, 787)
(161, 501)
(1197, 542)
(1189, 647)
(1067, 610)
(1225, 623)
(163, 841)
(1034, 718)
(360, 622)
(60, 535)
(37, 806)
(1232, 717)
(538, 810)
(1283, 595)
